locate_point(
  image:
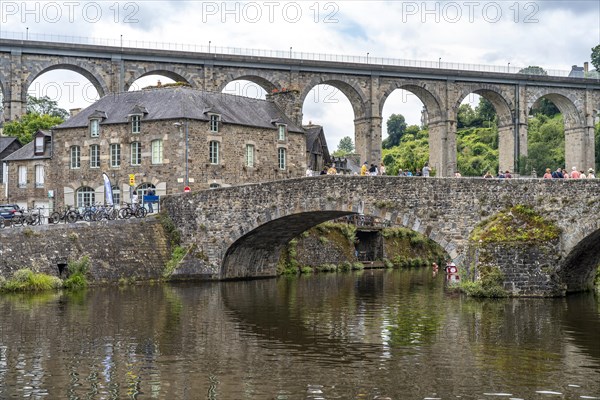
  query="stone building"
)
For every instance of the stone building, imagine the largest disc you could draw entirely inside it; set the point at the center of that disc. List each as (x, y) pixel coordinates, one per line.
(317, 153)
(170, 138)
(26, 170)
(8, 145)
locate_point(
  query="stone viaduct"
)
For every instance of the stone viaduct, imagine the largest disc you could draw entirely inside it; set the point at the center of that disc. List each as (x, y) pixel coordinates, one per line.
(288, 82)
(239, 232)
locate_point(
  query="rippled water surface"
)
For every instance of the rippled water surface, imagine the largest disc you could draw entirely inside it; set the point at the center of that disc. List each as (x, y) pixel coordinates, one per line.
(375, 334)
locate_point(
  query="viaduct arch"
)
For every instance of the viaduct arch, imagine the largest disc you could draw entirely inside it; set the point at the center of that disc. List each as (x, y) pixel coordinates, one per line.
(114, 69)
(239, 232)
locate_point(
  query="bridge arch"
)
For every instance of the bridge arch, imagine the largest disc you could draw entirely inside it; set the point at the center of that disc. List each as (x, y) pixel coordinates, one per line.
(349, 88)
(88, 71)
(432, 103)
(578, 270)
(579, 137)
(567, 103)
(264, 82)
(259, 242)
(172, 73)
(503, 104)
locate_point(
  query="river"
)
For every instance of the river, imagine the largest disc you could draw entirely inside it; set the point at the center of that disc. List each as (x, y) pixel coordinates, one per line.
(367, 335)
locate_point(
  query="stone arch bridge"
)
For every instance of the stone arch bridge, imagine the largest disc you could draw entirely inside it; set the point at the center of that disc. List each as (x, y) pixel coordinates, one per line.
(367, 85)
(239, 232)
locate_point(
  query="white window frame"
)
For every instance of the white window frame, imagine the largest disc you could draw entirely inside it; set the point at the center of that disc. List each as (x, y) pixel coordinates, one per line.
(250, 155)
(87, 197)
(282, 158)
(94, 156)
(39, 176)
(136, 154)
(22, 176)
(75, 157)
(136, 123)
(215, 120)
(213, 152)
(157, 151)
(94, 128)
(116, 192)
(281, 132)
(39, 145)
(115, 155)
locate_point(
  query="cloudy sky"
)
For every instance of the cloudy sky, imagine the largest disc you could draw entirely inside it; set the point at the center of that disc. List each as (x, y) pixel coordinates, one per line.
(552, 34)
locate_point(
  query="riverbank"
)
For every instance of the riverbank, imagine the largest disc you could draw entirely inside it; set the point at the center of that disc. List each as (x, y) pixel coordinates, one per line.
(121, 250)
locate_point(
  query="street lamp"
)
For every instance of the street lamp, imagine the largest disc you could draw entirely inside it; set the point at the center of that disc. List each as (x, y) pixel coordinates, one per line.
(440, 62)
(290, 51)
(209, 42)
(367, 57)
(179, 125)
(509, 67)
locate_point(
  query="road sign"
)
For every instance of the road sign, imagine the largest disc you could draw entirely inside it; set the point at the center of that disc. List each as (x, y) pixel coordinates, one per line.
(187, 189)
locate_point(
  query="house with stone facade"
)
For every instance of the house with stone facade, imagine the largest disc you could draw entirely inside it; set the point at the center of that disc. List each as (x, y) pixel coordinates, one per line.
(8, 145)
(170, 138)
(317, 152)
(25, 172)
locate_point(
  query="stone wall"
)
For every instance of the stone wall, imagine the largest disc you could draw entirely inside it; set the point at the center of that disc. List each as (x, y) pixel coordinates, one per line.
(529, 269)
(131, 249)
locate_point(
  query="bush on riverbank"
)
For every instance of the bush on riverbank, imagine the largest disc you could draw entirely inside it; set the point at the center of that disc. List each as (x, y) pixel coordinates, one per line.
(77, 274)
(489, 285)
(25, 280)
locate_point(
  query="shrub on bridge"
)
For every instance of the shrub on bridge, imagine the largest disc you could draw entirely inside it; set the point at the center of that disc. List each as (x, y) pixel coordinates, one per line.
(517, 224)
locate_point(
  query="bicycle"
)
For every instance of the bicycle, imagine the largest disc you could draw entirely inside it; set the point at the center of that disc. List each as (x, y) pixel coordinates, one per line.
(67, 215)
(130, 210)
(31, 217)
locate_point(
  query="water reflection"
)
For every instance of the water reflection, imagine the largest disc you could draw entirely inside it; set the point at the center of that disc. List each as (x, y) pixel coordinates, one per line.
(378, 333)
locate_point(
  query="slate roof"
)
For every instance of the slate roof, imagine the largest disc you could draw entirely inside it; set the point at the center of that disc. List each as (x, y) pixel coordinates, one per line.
(312, 133)
(182, 103)
(6, 141)
(27, 152)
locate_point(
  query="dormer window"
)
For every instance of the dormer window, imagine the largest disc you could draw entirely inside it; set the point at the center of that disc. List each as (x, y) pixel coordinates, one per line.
(281, 131)
(136, 123)
(94, 127)
(214, 122)
(39, 145)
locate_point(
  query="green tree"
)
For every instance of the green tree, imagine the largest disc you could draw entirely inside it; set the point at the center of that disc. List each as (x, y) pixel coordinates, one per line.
(465, 116)
(546, 145)
(545, 107)
(45, 105)
(596, 57)
(485, 111)
(25, 127)
(396, 128)
(346, 146)
(533, 70)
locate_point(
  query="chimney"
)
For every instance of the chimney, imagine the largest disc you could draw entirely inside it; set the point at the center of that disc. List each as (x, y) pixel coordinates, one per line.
(74, 111)
(586, 66)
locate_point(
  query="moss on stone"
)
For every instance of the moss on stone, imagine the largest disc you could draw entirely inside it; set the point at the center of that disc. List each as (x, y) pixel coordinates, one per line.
(516, 224)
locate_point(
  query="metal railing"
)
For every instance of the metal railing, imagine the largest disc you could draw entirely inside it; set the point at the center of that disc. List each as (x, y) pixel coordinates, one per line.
(281, 54)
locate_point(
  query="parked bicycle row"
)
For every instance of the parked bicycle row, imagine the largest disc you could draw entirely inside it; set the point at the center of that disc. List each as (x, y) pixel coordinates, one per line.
(38, 216)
